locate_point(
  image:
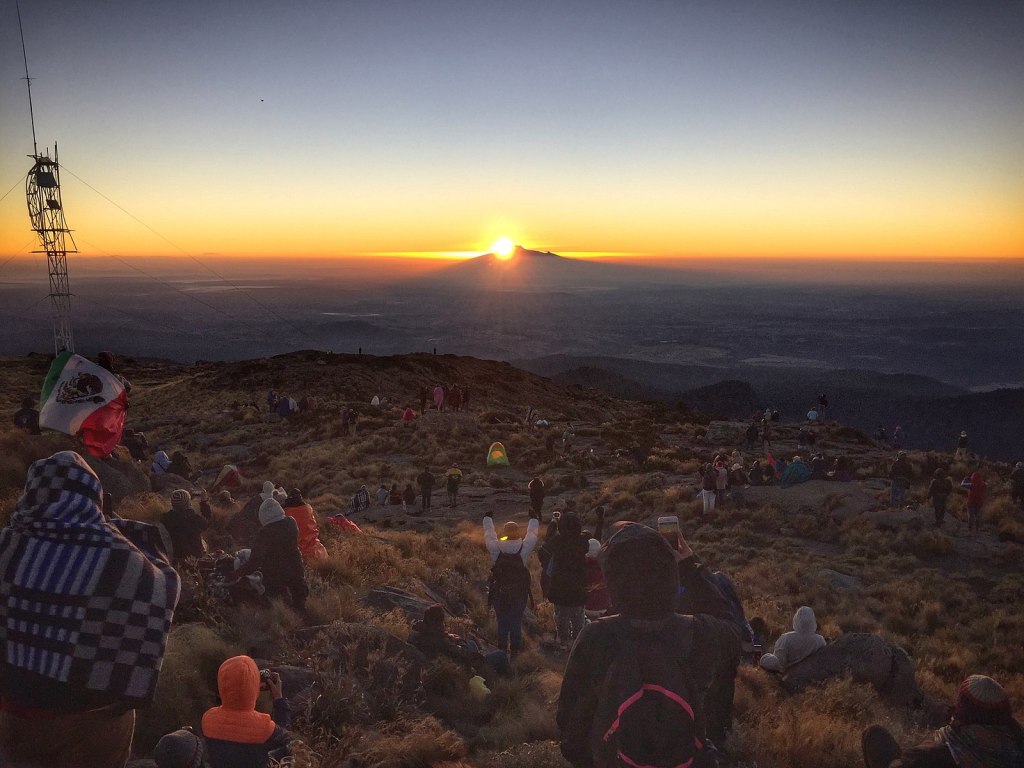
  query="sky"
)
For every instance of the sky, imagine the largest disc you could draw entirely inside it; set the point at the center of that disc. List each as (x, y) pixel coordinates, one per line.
(631, 128)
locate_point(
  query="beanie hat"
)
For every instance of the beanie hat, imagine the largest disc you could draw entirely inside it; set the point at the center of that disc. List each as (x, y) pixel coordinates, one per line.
(511, 530)
(181, 499)
(180, 749)
(270, 512)
(982, 700)
(641, 572)
(268, 490)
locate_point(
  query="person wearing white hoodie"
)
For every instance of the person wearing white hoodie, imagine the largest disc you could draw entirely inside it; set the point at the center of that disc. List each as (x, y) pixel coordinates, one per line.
(793, 647)
(507, 599)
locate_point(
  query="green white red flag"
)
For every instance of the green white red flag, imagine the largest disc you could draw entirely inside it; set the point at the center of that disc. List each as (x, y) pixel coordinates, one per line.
(83, 399)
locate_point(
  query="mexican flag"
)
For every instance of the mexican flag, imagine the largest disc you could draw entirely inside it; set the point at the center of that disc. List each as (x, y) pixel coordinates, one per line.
(83, 399)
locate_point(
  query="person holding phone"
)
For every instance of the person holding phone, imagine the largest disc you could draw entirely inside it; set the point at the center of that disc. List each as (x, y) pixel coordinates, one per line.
(235, 733)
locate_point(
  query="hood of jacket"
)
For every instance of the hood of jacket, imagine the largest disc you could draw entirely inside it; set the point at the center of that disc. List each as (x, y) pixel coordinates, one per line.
(641, 572)
(804, 620)
(236, 719)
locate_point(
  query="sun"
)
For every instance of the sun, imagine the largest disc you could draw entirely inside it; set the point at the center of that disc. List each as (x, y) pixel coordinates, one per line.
(503, 248)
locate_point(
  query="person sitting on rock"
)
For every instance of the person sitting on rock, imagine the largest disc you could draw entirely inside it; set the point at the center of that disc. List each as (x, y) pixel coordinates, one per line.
(185, 527)
(180, 465)
(409, 497)
(235, 733)
(382, 494)
(276, 554)
(161, 463)
(982, 733)
(819, 467)
(394, 496)
(299, 510)
(793, 647)
(360, 501)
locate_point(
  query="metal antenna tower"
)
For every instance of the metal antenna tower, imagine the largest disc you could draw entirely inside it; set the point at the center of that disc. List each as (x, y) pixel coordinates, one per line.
(46, 212)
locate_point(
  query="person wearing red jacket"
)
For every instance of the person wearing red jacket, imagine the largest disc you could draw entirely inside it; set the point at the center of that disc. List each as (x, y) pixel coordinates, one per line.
(975, 486)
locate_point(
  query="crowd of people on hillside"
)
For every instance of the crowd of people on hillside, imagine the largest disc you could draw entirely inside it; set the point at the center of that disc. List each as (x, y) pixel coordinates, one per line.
(654, 637)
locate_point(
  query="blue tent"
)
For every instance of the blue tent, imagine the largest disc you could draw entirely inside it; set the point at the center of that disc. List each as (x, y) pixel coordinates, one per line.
(796, 472)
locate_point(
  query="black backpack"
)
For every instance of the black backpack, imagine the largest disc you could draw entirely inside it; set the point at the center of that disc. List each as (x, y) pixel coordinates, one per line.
(509, 584)
(750, 643)
(648, 712)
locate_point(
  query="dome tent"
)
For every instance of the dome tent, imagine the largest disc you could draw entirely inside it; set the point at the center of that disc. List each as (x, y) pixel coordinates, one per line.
(496, 456)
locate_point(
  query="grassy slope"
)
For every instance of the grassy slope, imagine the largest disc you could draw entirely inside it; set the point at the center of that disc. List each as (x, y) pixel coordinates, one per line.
(955, 614)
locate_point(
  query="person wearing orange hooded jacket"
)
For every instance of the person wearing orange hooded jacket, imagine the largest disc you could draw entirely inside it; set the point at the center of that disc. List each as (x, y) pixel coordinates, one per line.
(236, 735)
(301, 512)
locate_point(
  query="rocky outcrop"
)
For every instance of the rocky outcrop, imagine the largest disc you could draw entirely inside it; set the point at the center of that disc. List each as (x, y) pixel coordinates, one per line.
(866, 658)
(119, 475)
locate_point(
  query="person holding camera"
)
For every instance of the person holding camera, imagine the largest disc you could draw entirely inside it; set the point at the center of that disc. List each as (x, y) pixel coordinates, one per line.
(237, 736)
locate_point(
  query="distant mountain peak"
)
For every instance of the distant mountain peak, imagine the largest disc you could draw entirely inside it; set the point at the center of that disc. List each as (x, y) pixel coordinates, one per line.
(520, 253)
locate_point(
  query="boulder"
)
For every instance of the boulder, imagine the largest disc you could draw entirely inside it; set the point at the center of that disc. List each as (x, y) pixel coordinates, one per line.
(297, 683)
(119, 475)
(389, 598)
(866, 658)
(169, 482)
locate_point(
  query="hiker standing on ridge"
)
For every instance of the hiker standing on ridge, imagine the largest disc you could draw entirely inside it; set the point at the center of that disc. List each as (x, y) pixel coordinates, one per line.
(975, 485)
(938, 491)
(452, 481)
(708, 486)
(900, 476)
(425, 480)
(961, 446)
(567, 587)
(635, 683)
(509, 586)
(536, 489)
